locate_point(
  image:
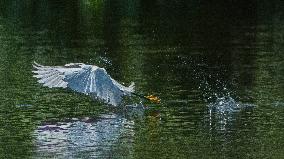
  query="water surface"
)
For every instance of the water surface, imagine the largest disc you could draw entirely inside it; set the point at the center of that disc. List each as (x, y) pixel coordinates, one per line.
(218, 68)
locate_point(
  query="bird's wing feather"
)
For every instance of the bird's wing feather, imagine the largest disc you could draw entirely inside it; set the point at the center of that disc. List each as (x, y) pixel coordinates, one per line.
(80, 81)
(85, 79)
(89, 79)
(96, 82)
(51, 76)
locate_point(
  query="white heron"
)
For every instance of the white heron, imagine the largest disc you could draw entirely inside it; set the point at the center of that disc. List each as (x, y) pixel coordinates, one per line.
(87, 79)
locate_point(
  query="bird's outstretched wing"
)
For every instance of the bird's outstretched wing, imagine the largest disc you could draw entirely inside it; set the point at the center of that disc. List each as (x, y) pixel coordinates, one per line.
(50, 76)
(87, 79)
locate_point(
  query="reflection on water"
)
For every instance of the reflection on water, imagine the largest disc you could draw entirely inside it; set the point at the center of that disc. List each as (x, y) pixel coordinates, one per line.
(218, 69)
(84, 138)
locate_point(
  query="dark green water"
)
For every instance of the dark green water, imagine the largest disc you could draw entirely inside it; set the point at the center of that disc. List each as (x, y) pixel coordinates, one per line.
(218, 68)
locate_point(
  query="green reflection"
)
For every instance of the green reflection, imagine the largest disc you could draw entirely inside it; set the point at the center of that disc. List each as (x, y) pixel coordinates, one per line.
(168, 49)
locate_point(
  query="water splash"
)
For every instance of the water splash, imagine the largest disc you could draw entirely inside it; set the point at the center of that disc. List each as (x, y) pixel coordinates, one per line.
(225, 105)
(220, 94)
(222, 113)
(104, 60)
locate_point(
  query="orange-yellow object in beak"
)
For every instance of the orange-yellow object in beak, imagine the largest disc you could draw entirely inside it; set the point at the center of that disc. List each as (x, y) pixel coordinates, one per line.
(153, 99)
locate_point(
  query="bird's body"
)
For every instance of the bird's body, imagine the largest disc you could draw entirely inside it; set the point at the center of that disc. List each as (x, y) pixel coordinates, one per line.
(88, 79)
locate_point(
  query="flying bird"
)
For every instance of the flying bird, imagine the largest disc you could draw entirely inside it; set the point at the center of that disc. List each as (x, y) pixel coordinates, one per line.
(87, 79)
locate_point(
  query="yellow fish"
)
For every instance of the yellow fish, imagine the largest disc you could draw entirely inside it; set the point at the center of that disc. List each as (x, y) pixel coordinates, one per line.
(153, 99)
